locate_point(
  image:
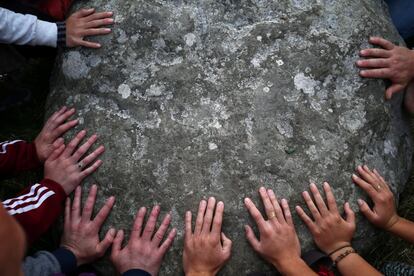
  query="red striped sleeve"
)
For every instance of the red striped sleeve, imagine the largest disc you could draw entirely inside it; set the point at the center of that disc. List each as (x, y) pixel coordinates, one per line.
(37, 207)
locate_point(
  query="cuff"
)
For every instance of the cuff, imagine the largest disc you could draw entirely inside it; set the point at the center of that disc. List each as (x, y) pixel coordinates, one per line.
(56, 187)
(45, 34)
(33, 152)
(61, 34)
(136, 272)
(66, 259)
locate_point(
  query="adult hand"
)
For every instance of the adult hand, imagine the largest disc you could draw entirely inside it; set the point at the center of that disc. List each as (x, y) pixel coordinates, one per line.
(86, 22)
(278, 242)
(391, 62)
(145, 250)
(81, 234)
(63, 165)
(207, 249)
(48, 139)
(383, 214)
(329, 230)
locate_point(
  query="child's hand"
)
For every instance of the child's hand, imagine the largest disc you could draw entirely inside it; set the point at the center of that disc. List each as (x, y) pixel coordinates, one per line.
(384, 214)
(48, 139)
(86, 22)
(65, 165)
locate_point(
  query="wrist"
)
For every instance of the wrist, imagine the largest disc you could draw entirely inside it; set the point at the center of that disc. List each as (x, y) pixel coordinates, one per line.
(288, 266)
(199, 273)
(339, 252)
(79, 261)
(393, 223)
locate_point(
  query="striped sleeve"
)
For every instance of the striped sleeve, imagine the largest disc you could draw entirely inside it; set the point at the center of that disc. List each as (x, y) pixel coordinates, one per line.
(37, 207)
(17, 156)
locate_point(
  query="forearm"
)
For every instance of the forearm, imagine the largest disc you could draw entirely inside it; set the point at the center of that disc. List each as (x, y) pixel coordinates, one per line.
(354, 264)
(404, 229)
(17, 156)
(294, 267)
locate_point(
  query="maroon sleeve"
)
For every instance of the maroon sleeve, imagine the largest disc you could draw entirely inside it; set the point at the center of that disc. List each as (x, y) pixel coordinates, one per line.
(37, 207)
(17, 156)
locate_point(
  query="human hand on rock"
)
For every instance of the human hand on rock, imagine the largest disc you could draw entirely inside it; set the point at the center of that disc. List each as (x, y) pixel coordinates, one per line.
(207, 249)
(65, 165)
(86, 22)
(329, 230)
(391, 62)
(383, 214)
(48, 139)
(81, 234)
(278, 242)
(145, 250)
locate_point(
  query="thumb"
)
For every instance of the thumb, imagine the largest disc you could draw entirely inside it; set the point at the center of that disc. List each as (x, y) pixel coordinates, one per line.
(365, 210)
(226, 243)
(350, 215)
(395, 88)
(106, 242)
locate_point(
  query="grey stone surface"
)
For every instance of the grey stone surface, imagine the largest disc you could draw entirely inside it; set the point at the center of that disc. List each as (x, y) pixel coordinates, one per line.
(215, 98)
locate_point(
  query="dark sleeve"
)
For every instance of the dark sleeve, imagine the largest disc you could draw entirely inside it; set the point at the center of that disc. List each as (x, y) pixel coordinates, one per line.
(66, 259)
(37, 207)
(136, 272)
(17, 156)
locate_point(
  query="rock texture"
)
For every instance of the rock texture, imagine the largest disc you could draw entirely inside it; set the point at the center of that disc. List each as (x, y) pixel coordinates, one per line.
(215, 98)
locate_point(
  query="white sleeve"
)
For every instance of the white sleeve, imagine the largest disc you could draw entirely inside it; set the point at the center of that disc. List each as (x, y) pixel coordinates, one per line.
(16, 28)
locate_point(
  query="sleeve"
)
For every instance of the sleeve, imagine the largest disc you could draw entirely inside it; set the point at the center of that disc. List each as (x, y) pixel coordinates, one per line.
(136, 272)
(17, 156)
(22, 29)
(43, 263)
(37, 208)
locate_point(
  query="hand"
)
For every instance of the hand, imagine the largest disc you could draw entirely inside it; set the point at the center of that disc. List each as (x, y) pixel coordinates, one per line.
(207, 249)
(392, 62)
(86, 22)
(48, 139)
(145, 250)
(63, 165)
(81, 234)
(278, 242)
(329, 230)
(384, 214)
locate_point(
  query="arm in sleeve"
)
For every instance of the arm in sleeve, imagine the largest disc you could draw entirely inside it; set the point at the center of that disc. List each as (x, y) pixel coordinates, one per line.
(37, 208)
(26, 29)
(43, 263)
(17, 156)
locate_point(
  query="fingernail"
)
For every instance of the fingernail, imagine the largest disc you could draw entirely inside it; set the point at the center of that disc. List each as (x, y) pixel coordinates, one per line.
(220, 203)
(354, 175)
(262, 189)
(284, 201)
(313, 185)
(112, 231)
(246, 200)
(360, 201)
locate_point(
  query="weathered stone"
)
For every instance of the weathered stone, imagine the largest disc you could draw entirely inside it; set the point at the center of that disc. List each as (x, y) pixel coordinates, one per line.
(215, 98)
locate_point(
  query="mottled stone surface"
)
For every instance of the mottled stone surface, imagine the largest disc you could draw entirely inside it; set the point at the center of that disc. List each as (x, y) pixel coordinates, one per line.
(199, 98)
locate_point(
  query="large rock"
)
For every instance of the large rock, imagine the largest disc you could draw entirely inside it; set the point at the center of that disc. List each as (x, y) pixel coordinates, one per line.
(215, 98)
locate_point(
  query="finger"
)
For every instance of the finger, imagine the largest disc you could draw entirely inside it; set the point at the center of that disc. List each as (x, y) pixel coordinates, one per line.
(367, 174)
(286, 212)
(350, 215)
(381, 42)
(311, 206)
(104, 212)
(383, 73)
(74, 143)
(268, 206)
(63, 117)
(251, 238)
(138, 223)
(106, 242)
(58, 142)
(88, 44)
(116, 246)
(376, 53)
(227, 243)
(75, 215)
(305, 218)
(200, 217)
(373, 63)
(84, 148)
(84, 12)
(150, 226)
(96, 31)
(91, 169)
(218, 220)
(89, 204)
(99, 23)
(395, 88)
(56, 153)
(99, 15)
(330, 198)
(208, 218)
(59, 131)
(66, 223)
(168, 241)
(188, 230)
(159, 235)
(254, 212)
(320, 203)
(384, 183)
(49, 125)
(365, 210)
(92, 156)
(364, 186)
(276, 206)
